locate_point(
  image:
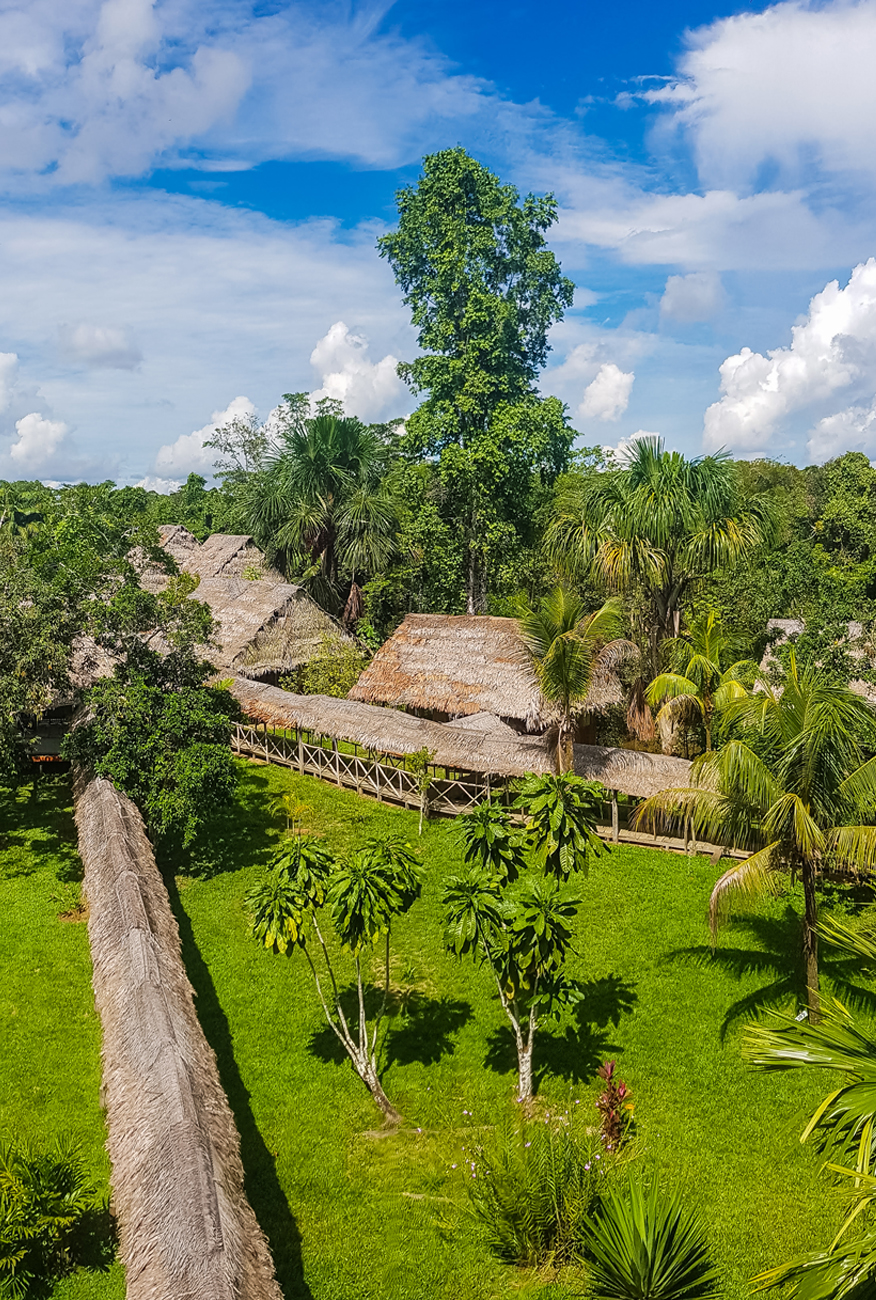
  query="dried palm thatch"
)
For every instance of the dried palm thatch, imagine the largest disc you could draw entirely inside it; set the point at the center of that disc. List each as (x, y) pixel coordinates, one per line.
(456, 664)
(89, 662)
(187, 1230)
(225, 555)
(455, 745)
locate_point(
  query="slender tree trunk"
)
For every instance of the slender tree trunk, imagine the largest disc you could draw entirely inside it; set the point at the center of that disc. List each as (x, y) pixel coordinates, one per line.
(810, 940)
(524, 1070)
(565, 747)
(368, 1074)
(476, 579)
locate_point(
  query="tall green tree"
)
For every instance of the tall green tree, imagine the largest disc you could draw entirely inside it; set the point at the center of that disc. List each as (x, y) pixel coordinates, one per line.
(363, 894)
(706, 673)
(653, 527)
(484, 289)
(569, 648)
(796, 787)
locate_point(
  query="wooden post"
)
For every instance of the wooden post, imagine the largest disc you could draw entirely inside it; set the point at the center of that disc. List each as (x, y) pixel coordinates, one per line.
(265, 734)
(378, 773)
(615, 819)
(337, 761)
(488, 784)
(300, 754)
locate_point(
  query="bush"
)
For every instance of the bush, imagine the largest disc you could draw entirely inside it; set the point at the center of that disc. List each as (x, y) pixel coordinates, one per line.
(644, 1245)
(334, 670)
(46, 1203)
(535, 1191)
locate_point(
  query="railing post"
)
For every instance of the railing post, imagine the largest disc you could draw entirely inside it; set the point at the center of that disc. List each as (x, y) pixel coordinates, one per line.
(300, 754)
(615, 818)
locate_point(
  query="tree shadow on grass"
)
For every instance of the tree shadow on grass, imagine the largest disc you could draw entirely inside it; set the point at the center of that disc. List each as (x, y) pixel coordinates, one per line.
(419, 1027)
(779, 960)
(238, 836)
(261, 1183)
(577, 1051)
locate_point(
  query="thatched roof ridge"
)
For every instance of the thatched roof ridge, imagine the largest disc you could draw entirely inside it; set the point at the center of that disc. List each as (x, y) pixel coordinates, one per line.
(631, 772)
(488, 723)
(178, 542)
(186, 1227)
(390, 731)
(460, 664)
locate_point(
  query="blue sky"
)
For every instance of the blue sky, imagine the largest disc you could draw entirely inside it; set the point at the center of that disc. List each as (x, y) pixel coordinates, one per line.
(190, 194)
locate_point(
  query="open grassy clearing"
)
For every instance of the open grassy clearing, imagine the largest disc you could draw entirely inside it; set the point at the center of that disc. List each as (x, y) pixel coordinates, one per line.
(49, 1030)
(351, 1211)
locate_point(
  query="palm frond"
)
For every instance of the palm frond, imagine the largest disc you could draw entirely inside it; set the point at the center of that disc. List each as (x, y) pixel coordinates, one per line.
(756, 876)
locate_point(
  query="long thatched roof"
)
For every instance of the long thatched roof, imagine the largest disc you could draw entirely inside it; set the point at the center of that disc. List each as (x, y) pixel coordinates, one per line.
(222, 555)
(462, 748)
(459, 664)
(187, 1231)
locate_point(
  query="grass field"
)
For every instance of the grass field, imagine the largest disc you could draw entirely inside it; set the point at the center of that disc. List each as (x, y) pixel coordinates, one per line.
(49, 1031)
(356, 1213)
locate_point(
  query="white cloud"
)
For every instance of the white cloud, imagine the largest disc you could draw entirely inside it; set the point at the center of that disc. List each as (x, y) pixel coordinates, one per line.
(152, 483)
(188, 454)
(833, 350)
(620, 452)
(791, 87)
(108, 347)
(370, 389)
(695, 297)
(38, 440)
(608, 395)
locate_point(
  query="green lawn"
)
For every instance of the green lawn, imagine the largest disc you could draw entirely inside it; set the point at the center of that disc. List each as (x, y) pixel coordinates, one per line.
(49, 1031)
(353, 1212)
(358, 1214)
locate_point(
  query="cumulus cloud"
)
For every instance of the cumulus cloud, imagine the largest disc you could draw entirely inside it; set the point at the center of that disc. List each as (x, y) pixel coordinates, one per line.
(370, 389)
(788, 87)
(695, 297)
(108, 347)
(832, 351)
(608, 395)
(38, 440)
(188, 454)
(164, 486)
(621, 450)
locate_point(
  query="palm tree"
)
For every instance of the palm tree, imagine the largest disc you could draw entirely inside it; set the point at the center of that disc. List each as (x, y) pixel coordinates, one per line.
(705, 675)
(657, 523)
(324, 500)
(569, 648)
(793, 788)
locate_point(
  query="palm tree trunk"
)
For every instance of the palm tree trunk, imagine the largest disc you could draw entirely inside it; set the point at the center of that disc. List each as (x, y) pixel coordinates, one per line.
(476, 582)
(810, 940)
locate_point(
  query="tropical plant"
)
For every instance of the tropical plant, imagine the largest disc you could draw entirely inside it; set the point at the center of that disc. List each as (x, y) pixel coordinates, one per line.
(333, 670)
(534, 1191)
(491, 842)
(644, 1245)
(44, 1197)
(615, 1108)
(524, 940)
(363, 894)
(323, 500)
(569, 648)
(656, 523)
(560, 813)
(796, 787)
(706, 673)
(421, 763)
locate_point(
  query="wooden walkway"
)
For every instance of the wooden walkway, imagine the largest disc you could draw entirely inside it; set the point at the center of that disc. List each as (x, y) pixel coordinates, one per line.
(449, 793)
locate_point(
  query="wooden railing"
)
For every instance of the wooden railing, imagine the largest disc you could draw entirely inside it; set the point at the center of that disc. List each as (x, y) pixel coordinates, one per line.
(450, 793)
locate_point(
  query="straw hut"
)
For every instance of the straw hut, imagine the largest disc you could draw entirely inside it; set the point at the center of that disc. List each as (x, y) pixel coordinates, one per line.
(458, 746)
(264, 628)
(860, 648)
(222, 555)
(186, 1228)
(445, 666)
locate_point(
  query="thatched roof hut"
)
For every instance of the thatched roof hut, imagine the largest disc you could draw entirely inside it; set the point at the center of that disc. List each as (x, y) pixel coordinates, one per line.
(450, 665)
(859, 644)
(222, 555)
(186, 1227)
(266, 628)
(456, 746)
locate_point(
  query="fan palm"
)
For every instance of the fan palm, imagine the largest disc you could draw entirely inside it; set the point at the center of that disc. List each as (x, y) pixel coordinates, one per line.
(705, 675)
(657, 523)
(324, 499)
(793, 787)
(569, 648)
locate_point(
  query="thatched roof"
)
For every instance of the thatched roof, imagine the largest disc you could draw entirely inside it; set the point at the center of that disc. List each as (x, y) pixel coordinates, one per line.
(186, 1228)
(487, 723)
(457, 746)
(859, 648)
(178, 542)
(222, 555)
(459, 664)
(265, 627)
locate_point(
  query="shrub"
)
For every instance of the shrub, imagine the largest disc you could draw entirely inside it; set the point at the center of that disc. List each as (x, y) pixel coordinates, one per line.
(644, 1245)
(535, 1191)
(334, 670)
(615, 1108)
(45, 1201)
